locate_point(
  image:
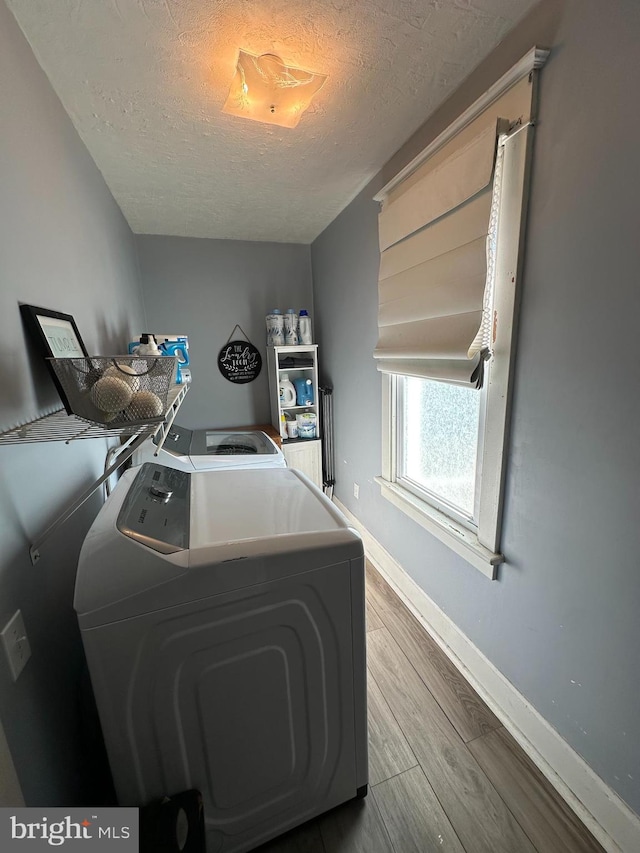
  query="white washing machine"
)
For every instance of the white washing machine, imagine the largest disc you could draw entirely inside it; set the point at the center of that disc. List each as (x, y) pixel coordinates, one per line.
(204, 449)
(222, 614)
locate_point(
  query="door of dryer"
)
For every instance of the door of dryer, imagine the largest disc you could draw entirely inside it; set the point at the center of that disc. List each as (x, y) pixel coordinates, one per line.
(247, 696)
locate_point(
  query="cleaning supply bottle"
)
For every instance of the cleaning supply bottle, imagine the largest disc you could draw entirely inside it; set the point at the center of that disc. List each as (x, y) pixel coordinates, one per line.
(304, 391)
(290, 328)
(148, 345)
(275, 328)
(176, 349)
(304, 327)
(287, 391)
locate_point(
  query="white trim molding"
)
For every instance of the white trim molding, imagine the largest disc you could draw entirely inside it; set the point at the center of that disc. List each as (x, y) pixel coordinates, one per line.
(531, 61)
(463, 542)
(601, 810)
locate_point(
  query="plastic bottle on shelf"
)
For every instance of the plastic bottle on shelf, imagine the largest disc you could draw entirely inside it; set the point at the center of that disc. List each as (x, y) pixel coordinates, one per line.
(304, 391)
(178, 346)
(275, 328)
(290, 328)
(304, 327)
(148, 345)
(286, 391)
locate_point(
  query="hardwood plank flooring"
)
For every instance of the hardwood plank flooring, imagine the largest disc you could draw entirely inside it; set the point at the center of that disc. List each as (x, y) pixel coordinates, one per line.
(478, 814)
(462, 705)
(373, 620)
(413, 816)
(356, 827)
(537, 806)
(444, 774)
(389, 752)
(380, 594)
(302, 839)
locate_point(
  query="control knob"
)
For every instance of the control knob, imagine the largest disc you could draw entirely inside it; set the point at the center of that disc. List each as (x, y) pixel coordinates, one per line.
(162, 493)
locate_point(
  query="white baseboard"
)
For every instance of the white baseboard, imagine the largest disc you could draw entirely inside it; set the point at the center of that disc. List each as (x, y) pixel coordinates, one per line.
(601, 810)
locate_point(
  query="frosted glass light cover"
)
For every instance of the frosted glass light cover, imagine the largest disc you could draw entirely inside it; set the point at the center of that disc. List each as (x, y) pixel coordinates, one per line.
(265, 89)
(440, 440)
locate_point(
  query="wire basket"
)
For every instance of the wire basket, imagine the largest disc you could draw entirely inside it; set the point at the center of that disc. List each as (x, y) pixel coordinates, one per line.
(117, 390)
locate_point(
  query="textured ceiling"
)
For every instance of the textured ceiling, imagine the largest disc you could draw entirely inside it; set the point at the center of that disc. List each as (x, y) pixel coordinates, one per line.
(144, 82)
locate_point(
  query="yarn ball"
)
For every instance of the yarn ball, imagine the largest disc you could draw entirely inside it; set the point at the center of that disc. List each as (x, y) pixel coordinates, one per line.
(143, 405)
(111, 394)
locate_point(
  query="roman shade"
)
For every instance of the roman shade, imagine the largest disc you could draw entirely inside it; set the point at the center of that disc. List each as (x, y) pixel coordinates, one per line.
(434, 311)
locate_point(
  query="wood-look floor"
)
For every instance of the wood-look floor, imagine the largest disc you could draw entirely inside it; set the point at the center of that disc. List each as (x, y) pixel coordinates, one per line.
(444, 774)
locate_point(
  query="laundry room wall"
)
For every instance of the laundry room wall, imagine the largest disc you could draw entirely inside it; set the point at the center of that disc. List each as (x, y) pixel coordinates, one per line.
(203, 288)
(64, 245)
(561, 622)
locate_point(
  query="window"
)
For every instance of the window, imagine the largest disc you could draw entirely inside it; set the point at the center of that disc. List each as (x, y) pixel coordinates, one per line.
(450, 231)
(437, 444)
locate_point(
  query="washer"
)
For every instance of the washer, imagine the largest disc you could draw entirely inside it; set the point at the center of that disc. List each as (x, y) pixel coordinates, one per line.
(204, 449)
(222, 615)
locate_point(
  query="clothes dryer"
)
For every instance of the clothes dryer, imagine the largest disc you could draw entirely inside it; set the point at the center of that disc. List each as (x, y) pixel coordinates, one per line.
(222, 614)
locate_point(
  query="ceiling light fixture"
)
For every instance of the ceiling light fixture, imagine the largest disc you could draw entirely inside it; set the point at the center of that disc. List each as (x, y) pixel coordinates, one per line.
(265, 89)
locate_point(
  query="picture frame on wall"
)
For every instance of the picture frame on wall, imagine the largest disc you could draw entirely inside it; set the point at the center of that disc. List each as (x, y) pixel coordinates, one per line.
(56, 336)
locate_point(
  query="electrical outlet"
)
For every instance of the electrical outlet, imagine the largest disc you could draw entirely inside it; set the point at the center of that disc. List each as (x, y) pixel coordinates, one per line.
(16, 645)
(356, 490)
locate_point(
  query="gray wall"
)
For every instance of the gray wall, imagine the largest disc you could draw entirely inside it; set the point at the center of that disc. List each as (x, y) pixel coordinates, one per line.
(63, 245)
(562, 621)
(203, 288)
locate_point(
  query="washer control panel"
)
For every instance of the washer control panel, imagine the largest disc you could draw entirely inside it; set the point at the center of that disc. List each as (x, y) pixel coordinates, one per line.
(156, 509)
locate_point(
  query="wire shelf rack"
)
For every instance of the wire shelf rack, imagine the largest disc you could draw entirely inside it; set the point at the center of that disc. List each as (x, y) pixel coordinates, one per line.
(58, 426)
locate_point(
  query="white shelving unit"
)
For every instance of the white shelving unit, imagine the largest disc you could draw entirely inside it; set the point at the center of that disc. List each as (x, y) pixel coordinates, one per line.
(305, 454)
(58, 426)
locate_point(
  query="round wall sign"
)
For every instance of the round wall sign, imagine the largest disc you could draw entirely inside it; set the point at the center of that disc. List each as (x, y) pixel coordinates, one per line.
(239, 362)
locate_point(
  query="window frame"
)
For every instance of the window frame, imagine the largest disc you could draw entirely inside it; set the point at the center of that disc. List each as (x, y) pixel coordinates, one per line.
(481, 547)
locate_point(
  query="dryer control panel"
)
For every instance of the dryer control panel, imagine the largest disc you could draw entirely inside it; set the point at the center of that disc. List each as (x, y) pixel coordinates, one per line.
(156, 509)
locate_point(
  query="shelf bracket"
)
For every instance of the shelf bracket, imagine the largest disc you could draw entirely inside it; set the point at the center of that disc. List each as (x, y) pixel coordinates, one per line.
(125, 452)
(34, 550)
(167, 423)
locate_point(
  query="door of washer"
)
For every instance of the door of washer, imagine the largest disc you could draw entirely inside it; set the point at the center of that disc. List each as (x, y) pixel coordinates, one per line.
(206, 449)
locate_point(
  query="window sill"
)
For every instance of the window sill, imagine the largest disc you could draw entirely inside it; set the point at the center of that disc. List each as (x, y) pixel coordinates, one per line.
(463, 542)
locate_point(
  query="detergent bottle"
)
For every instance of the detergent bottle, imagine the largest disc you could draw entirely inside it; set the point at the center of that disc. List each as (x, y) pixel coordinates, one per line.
(290, 328)
(304, 327)
(287, 391)
(275, 328)
(178, 348)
